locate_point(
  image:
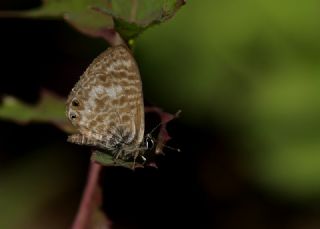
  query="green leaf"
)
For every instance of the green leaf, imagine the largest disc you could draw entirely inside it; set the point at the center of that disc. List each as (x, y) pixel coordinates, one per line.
(78, 13)
(132, 17)
(98, 18)
(90, 22)
(106, 159)
(102, 158)
(50, 109)
(143, 12)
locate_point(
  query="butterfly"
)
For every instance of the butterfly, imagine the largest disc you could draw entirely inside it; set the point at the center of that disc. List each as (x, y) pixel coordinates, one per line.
(106, 107)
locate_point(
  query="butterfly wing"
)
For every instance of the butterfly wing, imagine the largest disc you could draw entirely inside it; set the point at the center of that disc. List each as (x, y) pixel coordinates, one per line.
(106, 105)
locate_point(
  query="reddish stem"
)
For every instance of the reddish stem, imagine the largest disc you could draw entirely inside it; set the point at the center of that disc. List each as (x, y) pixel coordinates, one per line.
(89, 201)
(165, 118)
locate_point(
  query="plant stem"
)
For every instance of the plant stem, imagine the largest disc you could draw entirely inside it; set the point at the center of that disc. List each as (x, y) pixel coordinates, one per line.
(89, 202)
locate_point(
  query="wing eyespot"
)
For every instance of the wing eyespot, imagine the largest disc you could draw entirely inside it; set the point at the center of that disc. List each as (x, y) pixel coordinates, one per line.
(75, 103)
(73, 116)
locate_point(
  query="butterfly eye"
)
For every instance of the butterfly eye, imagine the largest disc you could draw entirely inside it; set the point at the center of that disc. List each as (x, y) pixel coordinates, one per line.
(73, 116)
(75, 103)
(149, 142)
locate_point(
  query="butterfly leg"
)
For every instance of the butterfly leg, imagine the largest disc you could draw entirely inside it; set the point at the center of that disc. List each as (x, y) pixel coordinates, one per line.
(117, 155)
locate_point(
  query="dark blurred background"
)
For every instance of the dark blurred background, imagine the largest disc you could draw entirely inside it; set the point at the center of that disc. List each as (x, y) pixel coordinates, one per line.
(245, 75)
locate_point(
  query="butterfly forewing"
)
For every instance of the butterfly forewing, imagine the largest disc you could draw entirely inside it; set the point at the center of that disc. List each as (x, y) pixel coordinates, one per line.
(106, 105)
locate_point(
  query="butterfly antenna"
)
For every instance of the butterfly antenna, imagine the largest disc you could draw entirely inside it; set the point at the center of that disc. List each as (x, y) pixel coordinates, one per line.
(176, 115)
(172, 148)
(154, 128)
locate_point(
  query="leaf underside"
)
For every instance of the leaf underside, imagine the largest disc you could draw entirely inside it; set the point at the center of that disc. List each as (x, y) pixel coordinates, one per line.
(49, 109)
(97, 17)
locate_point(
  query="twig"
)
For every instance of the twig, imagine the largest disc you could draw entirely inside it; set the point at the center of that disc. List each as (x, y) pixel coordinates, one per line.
(89, 199)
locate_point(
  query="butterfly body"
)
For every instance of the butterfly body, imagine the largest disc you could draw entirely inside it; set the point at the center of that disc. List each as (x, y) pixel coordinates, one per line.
(106, 105)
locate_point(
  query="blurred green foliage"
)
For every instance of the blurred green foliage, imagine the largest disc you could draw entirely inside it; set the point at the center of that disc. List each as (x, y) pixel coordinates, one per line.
(33, 185)
(250, 64)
